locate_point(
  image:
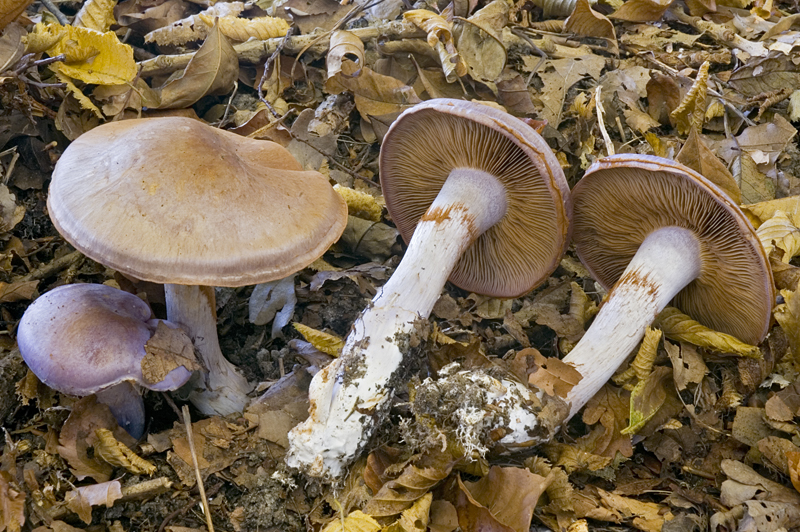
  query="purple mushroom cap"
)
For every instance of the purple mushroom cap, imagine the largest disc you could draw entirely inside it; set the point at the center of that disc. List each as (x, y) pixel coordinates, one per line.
(81, 339)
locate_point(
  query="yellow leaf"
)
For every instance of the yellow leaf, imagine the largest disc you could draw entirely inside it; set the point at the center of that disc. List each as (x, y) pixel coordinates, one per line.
(692, 110)
(766, 209)
(415, 519)
(43, 37)
(642, 364)
(680, 327)
(92, 56)
(354, 522)
(360, 204)
(242, 29)
(440, 38)
(779, 232)
(96, 15)
(787, 315)
(116, 453)
(84, 100)
(647, 398)
(327, 343)
(212, 70)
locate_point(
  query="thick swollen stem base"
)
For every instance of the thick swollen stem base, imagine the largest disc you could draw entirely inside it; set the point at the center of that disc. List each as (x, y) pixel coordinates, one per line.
(350, 397)
(667, 261)
(223, 390)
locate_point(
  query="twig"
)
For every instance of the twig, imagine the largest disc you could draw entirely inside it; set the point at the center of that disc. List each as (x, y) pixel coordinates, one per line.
(598, 104)
(187, 420)
(60, 17)
(254, 52)
(267, 65)
(228, 107)
(180, 511)
(53, 267)
(334, 161)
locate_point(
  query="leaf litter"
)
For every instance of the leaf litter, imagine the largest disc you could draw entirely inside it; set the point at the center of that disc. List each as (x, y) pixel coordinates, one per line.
(699, 430)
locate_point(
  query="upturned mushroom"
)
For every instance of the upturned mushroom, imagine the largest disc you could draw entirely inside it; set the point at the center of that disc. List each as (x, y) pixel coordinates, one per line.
(83, 339)
(175, 201)
(488, 207)
(655, 231)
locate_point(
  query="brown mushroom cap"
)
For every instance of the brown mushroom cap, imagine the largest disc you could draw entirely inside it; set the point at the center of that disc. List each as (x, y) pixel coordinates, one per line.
(623, 198)
(429, 140)
(173, 200)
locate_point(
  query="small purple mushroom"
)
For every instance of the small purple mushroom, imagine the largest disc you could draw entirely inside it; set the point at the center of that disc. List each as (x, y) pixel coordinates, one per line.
(83, 339)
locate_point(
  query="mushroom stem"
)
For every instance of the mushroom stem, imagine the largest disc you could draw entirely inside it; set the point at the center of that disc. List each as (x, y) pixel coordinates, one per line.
(127, 406)
(225, 389)
(668, 260)
(349, 397)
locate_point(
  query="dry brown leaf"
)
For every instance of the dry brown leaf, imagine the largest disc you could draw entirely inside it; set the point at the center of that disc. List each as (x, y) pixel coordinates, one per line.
(696, 155)
(242, 29)
(745, 483)
(440, 38)
(480, 43)
(573, 459)
(96, 15)
(642, 364)
(344, 45)
(415, 481)
(502, 501)
(647, 516)
(550, 375)
(18, 291)
(212, 70)
(415, 519)
(167, 350)
(12, 48)
(354, 522)
(10, 10)
(793, 459)
(81, 499)
(641, 10)
(687, 364)
(10, 213)
(609, 407)
(79, 436)
(82, 99)
(558, 75)
(663, 96)
(756, 187)
(12, 504)
(444, 517)
(587, 22)
(117, 98)
(692, 110)
(787, 315)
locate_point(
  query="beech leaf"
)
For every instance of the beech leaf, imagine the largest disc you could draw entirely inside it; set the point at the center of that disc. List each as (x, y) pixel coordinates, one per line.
(587, 22)
(641, 10)
(212, 70)
(81, 499)
(779, 232)
(92, 57)
(692, 110)
(647, 397)
(96, 15)
(167, 349)
(440, 38)
(344, 45)
(11, 45)
(354, 522)
(192, 28)
(242, 29)
(696, 155)
(680, 327)
(327, 343)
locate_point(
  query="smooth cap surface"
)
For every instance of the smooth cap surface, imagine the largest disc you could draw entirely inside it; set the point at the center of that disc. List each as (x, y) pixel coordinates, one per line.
(173, 200)
(431, 139)
(623, 198)
(82, 338)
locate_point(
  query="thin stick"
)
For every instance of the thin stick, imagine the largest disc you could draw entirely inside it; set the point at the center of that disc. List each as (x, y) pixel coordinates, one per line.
(598, 104)
(187, 420)
(53, 267)
(60, 17)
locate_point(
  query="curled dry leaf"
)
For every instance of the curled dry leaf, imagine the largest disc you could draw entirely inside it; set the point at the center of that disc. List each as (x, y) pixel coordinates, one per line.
(212, 70)
(696, 155)
(480, 44)
(344, 45)
(680, 327)
(642, 364)
(415, 519)
(779, 232)
(43, 37)
(193, 28)
(550, 375)
(82, 99)
(687, 364)
(647, 397)
(759, 213)
(116, 453)
(96, 15)
(692, 110)
(81, 499)
(587, 22)
(242, 29)
(440, 38)
(327, 343)
(360, 204)
(641, 10)
(502, 501)
(610, 407)
(92, 57)
(167, 350)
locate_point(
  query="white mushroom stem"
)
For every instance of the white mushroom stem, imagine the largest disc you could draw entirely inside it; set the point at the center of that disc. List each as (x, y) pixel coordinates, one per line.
(223, 390)
(667, 261)
(350, 396)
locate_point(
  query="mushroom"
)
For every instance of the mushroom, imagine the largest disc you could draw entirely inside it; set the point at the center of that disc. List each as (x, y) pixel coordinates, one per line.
(656, 231)
(83, 339)
(173, 200)
(488, 207)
